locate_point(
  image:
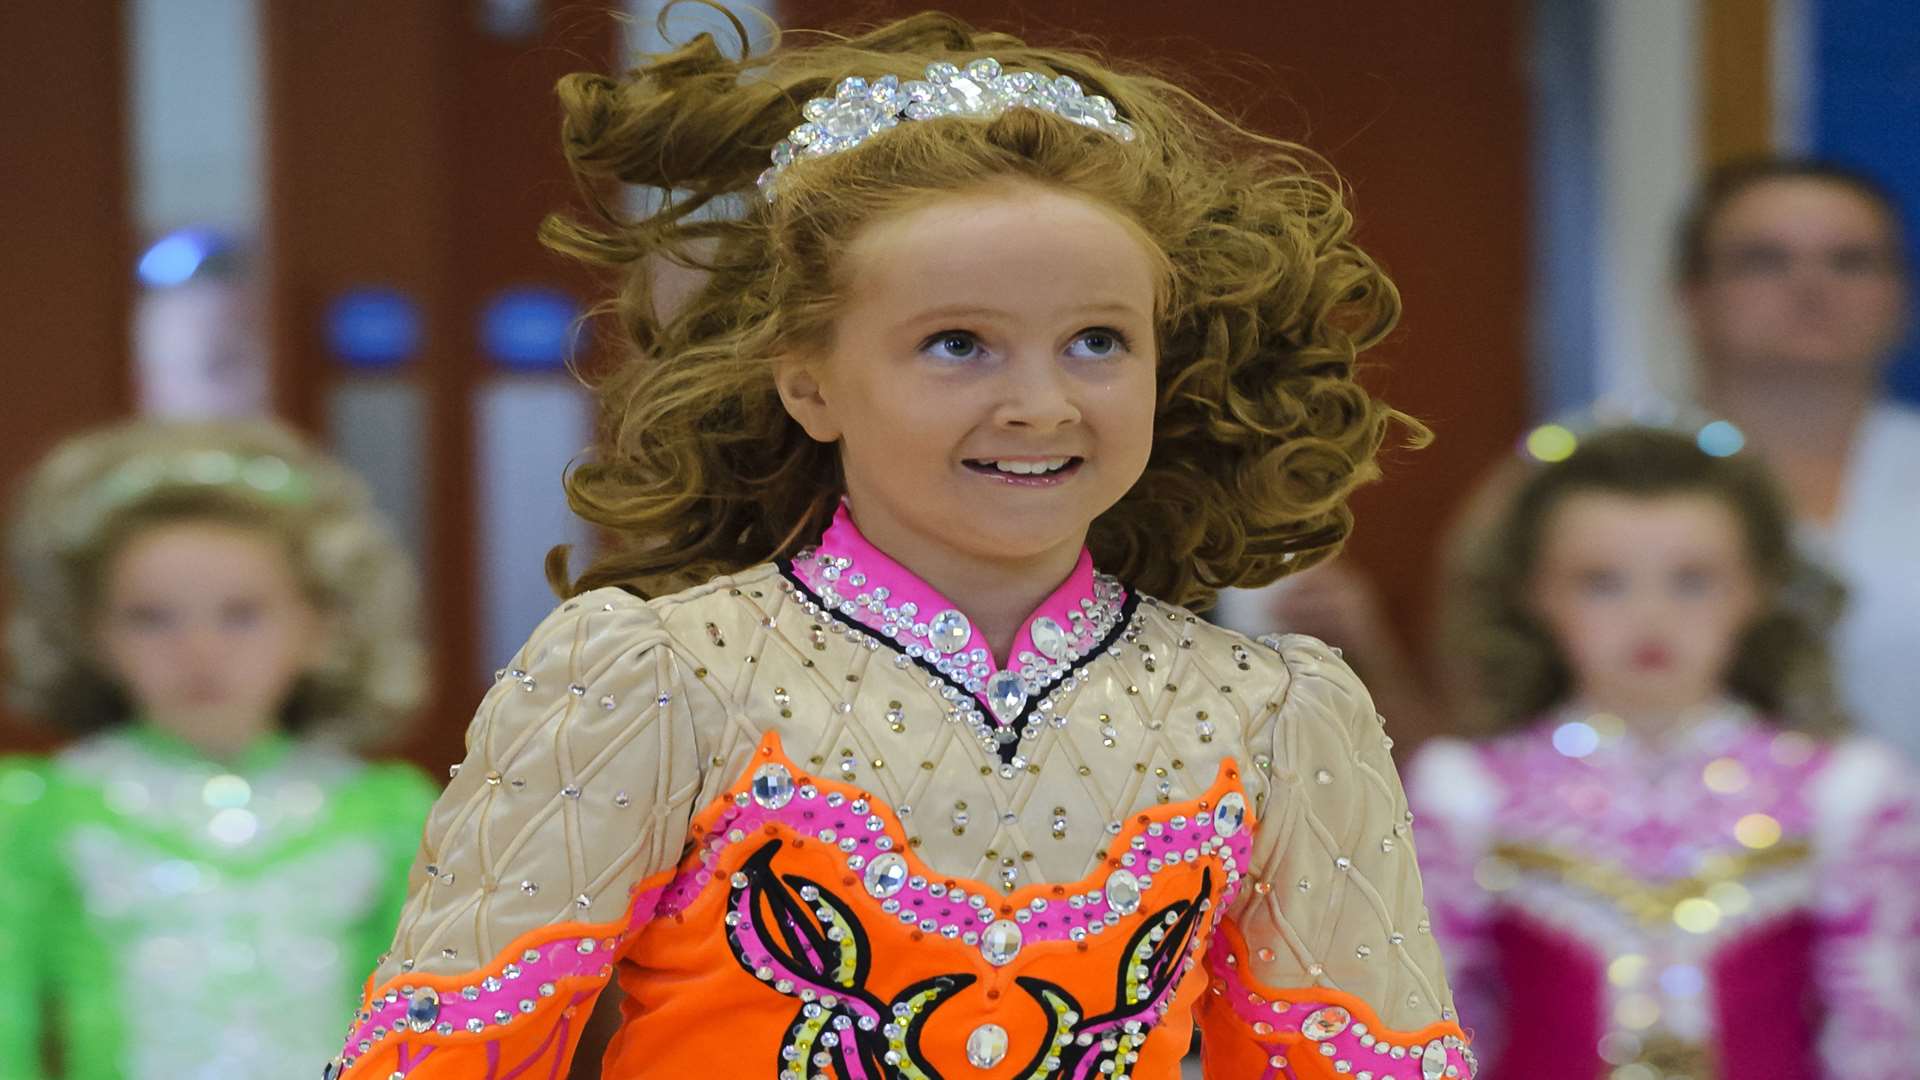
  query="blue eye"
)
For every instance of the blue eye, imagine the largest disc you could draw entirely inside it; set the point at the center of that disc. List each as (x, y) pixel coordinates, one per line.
(1100, 343)
(951, 345)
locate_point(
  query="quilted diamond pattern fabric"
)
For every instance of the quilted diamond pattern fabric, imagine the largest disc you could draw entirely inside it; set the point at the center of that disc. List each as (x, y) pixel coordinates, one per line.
(622, 718)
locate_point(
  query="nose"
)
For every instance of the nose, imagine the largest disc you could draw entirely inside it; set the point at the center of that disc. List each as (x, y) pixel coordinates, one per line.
(202, 645)
(1036, 393)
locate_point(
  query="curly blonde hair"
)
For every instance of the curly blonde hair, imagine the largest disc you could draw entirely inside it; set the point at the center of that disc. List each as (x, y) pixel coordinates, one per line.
(1780, 665)
(1261, 431)
(97, 491)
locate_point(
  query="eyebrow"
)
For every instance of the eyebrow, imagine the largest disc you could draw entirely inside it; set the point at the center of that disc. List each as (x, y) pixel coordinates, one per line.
(965, 311)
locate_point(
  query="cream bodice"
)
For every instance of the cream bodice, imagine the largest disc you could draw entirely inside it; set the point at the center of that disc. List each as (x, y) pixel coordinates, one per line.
(622, 718)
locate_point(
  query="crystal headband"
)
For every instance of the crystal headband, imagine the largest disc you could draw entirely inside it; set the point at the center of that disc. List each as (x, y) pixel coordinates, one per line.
(861, 109)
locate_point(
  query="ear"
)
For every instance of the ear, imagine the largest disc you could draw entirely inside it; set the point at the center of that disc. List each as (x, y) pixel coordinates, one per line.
(797, 379)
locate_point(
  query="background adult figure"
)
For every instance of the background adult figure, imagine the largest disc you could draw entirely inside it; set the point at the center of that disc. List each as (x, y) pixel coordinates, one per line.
(1796, 291)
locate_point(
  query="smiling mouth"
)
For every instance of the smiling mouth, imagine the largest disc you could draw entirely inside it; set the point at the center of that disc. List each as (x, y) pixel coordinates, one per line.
(1027, 472)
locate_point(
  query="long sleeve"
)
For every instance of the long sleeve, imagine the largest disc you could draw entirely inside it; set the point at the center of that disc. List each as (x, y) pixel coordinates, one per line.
(1454, 798)
(23, 918)
(1326, 965)
(1867, 840)
(545, 855)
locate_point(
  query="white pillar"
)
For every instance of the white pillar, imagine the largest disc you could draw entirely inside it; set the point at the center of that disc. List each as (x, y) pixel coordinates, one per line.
(197, 114)
(1649, 163)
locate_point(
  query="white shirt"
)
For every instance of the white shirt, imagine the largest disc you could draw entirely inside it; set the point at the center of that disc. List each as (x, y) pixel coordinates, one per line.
(1874, 546)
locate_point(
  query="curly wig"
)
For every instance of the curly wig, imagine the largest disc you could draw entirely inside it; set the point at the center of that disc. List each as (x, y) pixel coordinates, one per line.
(95, 492)
(1261, 431)
(1780, 665)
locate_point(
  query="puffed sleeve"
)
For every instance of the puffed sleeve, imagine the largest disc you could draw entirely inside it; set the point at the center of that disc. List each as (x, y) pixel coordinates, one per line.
(1325, 965)
(1866, 805)
(543, 857)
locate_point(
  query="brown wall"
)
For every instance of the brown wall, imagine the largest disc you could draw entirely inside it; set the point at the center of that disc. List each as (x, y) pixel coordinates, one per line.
(408, 148)
(1426, 117)
(66, 275)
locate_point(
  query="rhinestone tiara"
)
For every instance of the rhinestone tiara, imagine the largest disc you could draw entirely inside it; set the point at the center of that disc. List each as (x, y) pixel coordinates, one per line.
(862, 108)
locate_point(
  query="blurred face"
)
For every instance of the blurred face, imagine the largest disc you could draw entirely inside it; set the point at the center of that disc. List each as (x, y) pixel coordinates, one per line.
(1800, 273)
(207, 630)
(991, 379)
(1646, 597)
(198, 353)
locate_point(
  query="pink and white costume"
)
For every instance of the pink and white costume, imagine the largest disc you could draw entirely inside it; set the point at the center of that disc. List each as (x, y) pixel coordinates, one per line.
(1734, 902)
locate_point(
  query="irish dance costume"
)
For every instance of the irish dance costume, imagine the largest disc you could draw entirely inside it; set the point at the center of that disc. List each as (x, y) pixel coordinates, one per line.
(1738, 901)
(815, 829)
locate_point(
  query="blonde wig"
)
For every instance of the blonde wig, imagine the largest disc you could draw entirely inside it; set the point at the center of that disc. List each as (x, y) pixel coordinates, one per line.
(1261, 431)
(95, 492)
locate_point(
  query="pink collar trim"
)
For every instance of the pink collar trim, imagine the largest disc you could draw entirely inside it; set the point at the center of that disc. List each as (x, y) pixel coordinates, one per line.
(857, 581)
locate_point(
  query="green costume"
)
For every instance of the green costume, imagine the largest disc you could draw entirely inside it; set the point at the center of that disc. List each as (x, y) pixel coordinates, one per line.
(166, 916)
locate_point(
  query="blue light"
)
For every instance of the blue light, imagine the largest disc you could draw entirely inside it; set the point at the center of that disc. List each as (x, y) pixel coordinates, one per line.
(174, 258)
(374, 327)
(1576, 739)
(1720, 439)
(1683, 981)
(530, 328)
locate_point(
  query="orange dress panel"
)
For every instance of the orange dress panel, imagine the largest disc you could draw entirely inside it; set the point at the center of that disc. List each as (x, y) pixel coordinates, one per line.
(685, 1008)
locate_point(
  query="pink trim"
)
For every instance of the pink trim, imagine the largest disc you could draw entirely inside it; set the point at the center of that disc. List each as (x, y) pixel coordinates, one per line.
(1141, 849)
(1643, 807)
(520, 983)
(1175, 833)
(1279, 1024)
(844, 539)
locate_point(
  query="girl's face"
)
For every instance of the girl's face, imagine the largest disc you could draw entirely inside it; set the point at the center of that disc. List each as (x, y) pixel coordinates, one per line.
(207, 629)
(1647, 597)
(991, 378)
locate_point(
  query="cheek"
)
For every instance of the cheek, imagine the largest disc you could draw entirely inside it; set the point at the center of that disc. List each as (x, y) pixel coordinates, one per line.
(145, 666)
(132, 652)
(1128, 411)
(286, 641)
(1742, 606)
(1585, 628)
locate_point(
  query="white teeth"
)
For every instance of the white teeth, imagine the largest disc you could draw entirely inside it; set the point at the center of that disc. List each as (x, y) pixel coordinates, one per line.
(1030, 468)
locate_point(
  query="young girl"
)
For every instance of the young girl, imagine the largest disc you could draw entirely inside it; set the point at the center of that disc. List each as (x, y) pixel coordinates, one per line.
(192, 887)
(851, 764)
(1660, 870)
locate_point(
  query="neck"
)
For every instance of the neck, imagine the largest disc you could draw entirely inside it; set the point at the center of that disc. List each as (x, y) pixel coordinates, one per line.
(997, 594)
(1789, 412)
(219, 741)
(1651, 722)
(1802, 421)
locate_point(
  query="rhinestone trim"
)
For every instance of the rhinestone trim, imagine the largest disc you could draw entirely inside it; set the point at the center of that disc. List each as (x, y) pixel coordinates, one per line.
(1110, 614)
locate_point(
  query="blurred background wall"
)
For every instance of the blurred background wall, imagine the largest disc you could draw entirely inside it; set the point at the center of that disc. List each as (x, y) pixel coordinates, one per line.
(1517, 164)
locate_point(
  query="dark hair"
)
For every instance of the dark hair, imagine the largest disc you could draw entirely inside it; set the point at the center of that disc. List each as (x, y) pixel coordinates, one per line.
(1780, 666)
(1728, 182)
(1261, 430)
